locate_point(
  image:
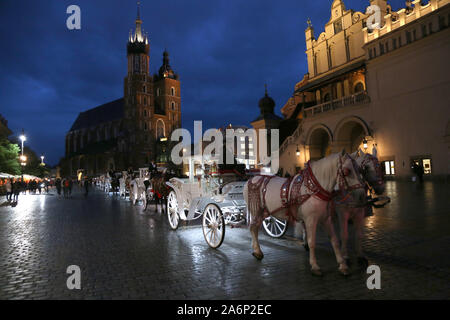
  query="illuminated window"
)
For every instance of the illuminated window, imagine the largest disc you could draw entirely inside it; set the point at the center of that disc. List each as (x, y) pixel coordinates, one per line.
(389, 167)
(426, 166)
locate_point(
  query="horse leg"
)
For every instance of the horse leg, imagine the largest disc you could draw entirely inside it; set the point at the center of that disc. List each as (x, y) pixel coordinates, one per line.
(359, 228)
(257, 253)
(311, 228)
(343, 224)
(305, 237)
(343, 268)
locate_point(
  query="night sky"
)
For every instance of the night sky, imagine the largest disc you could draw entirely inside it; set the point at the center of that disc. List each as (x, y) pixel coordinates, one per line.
(224, 52)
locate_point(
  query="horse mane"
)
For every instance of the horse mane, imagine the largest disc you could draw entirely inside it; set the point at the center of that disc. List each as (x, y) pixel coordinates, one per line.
(325, 171)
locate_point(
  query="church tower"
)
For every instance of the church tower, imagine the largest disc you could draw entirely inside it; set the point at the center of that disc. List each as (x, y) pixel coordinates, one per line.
(138, 98)
(152, 103)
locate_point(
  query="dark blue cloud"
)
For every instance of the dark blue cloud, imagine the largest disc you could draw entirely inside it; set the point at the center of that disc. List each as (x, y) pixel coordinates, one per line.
(223, 50)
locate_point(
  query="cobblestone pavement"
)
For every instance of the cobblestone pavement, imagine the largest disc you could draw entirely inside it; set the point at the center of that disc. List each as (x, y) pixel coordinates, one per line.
(125, 253)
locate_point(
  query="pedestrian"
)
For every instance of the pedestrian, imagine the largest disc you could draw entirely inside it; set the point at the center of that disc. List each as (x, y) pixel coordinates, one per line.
(420, 172)
(39, 186)
(9, 184)
(86, 187)
(70, 186)
(66, 187)
(17, 187)
(58, 186)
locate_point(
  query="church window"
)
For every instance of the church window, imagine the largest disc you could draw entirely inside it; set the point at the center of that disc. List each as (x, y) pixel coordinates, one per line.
(337, 26)
(144, 89)
(158, 92)
(173, 106)
(172, 91)
(160, 129)
(145, 101)
(145, 113)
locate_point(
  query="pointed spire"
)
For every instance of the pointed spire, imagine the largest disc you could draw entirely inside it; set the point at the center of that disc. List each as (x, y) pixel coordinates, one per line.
(265, 89)
(138, 11)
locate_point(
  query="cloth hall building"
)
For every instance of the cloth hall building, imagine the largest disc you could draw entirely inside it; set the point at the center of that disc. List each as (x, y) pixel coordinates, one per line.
(131, 131)
(386, 89)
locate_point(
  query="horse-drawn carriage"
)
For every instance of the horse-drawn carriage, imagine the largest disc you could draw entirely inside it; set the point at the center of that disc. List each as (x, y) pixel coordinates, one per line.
(218, 198)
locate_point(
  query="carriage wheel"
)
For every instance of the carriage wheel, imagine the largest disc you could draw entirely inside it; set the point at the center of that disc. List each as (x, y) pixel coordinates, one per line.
(172, 212)
(274, 227)
(213, 226)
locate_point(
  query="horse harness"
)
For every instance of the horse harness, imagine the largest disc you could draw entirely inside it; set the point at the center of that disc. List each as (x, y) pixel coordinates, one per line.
(291, 191)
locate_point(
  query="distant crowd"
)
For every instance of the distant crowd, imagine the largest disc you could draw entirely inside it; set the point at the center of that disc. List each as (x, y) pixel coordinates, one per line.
(14, 186)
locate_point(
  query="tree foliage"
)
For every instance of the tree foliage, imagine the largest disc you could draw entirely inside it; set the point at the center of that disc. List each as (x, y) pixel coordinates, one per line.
(9, 161)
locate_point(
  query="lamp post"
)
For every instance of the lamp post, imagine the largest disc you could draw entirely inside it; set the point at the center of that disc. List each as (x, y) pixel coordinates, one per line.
(22, 138)
(42, 160)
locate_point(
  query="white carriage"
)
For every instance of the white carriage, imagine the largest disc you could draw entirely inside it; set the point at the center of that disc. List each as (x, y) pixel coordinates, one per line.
(217, 199)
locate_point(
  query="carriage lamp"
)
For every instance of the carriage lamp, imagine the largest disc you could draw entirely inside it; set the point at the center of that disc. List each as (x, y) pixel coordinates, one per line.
(365, 144)
(297, 152)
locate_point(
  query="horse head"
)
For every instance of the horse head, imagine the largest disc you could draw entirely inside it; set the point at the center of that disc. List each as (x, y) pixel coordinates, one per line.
(350, 182)
(371, 170)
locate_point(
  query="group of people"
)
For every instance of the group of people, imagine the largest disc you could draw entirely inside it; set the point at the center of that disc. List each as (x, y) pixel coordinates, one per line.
(66, 185)
(14, 186)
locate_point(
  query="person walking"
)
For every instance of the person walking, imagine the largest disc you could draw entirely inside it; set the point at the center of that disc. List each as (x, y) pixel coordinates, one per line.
(9, 184)
(70, 186)
(58, 186)
(86, 186)
(17, 187)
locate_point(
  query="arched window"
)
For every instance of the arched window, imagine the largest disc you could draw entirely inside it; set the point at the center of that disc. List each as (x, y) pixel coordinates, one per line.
(160, 129)
(172, 91)
(173, 106)
(144, 89)
(359, 87)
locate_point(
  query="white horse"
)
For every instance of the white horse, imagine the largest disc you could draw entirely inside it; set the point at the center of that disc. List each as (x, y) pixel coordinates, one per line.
(373, 174)
(305, 197)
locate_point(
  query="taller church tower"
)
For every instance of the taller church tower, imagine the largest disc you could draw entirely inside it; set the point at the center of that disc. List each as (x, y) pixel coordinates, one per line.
(152, 104)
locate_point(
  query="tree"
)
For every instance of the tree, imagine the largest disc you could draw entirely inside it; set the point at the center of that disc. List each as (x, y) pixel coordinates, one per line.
(9, 162)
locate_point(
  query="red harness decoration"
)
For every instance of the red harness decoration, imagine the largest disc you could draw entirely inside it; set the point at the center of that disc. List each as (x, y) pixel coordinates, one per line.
(291, 193)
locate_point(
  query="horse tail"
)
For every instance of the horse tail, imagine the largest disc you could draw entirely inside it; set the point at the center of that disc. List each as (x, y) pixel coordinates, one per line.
(252, 196)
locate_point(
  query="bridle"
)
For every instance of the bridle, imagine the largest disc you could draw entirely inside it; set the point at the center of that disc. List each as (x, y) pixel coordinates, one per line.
(379, 173)
(343, 195)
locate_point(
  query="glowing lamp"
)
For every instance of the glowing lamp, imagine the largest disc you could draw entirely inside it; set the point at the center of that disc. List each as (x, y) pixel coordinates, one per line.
(297, 152)
(365, 144)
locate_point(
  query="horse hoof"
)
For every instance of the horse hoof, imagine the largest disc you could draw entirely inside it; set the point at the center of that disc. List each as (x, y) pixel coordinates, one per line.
(258, 256)
(316, 272)
(344, 272)
(363, 262)
(305, 245)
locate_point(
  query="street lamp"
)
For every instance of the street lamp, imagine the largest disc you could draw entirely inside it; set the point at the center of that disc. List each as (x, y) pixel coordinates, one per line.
(365, 144)
(42, 160)
(22, 138)
(297, 152)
